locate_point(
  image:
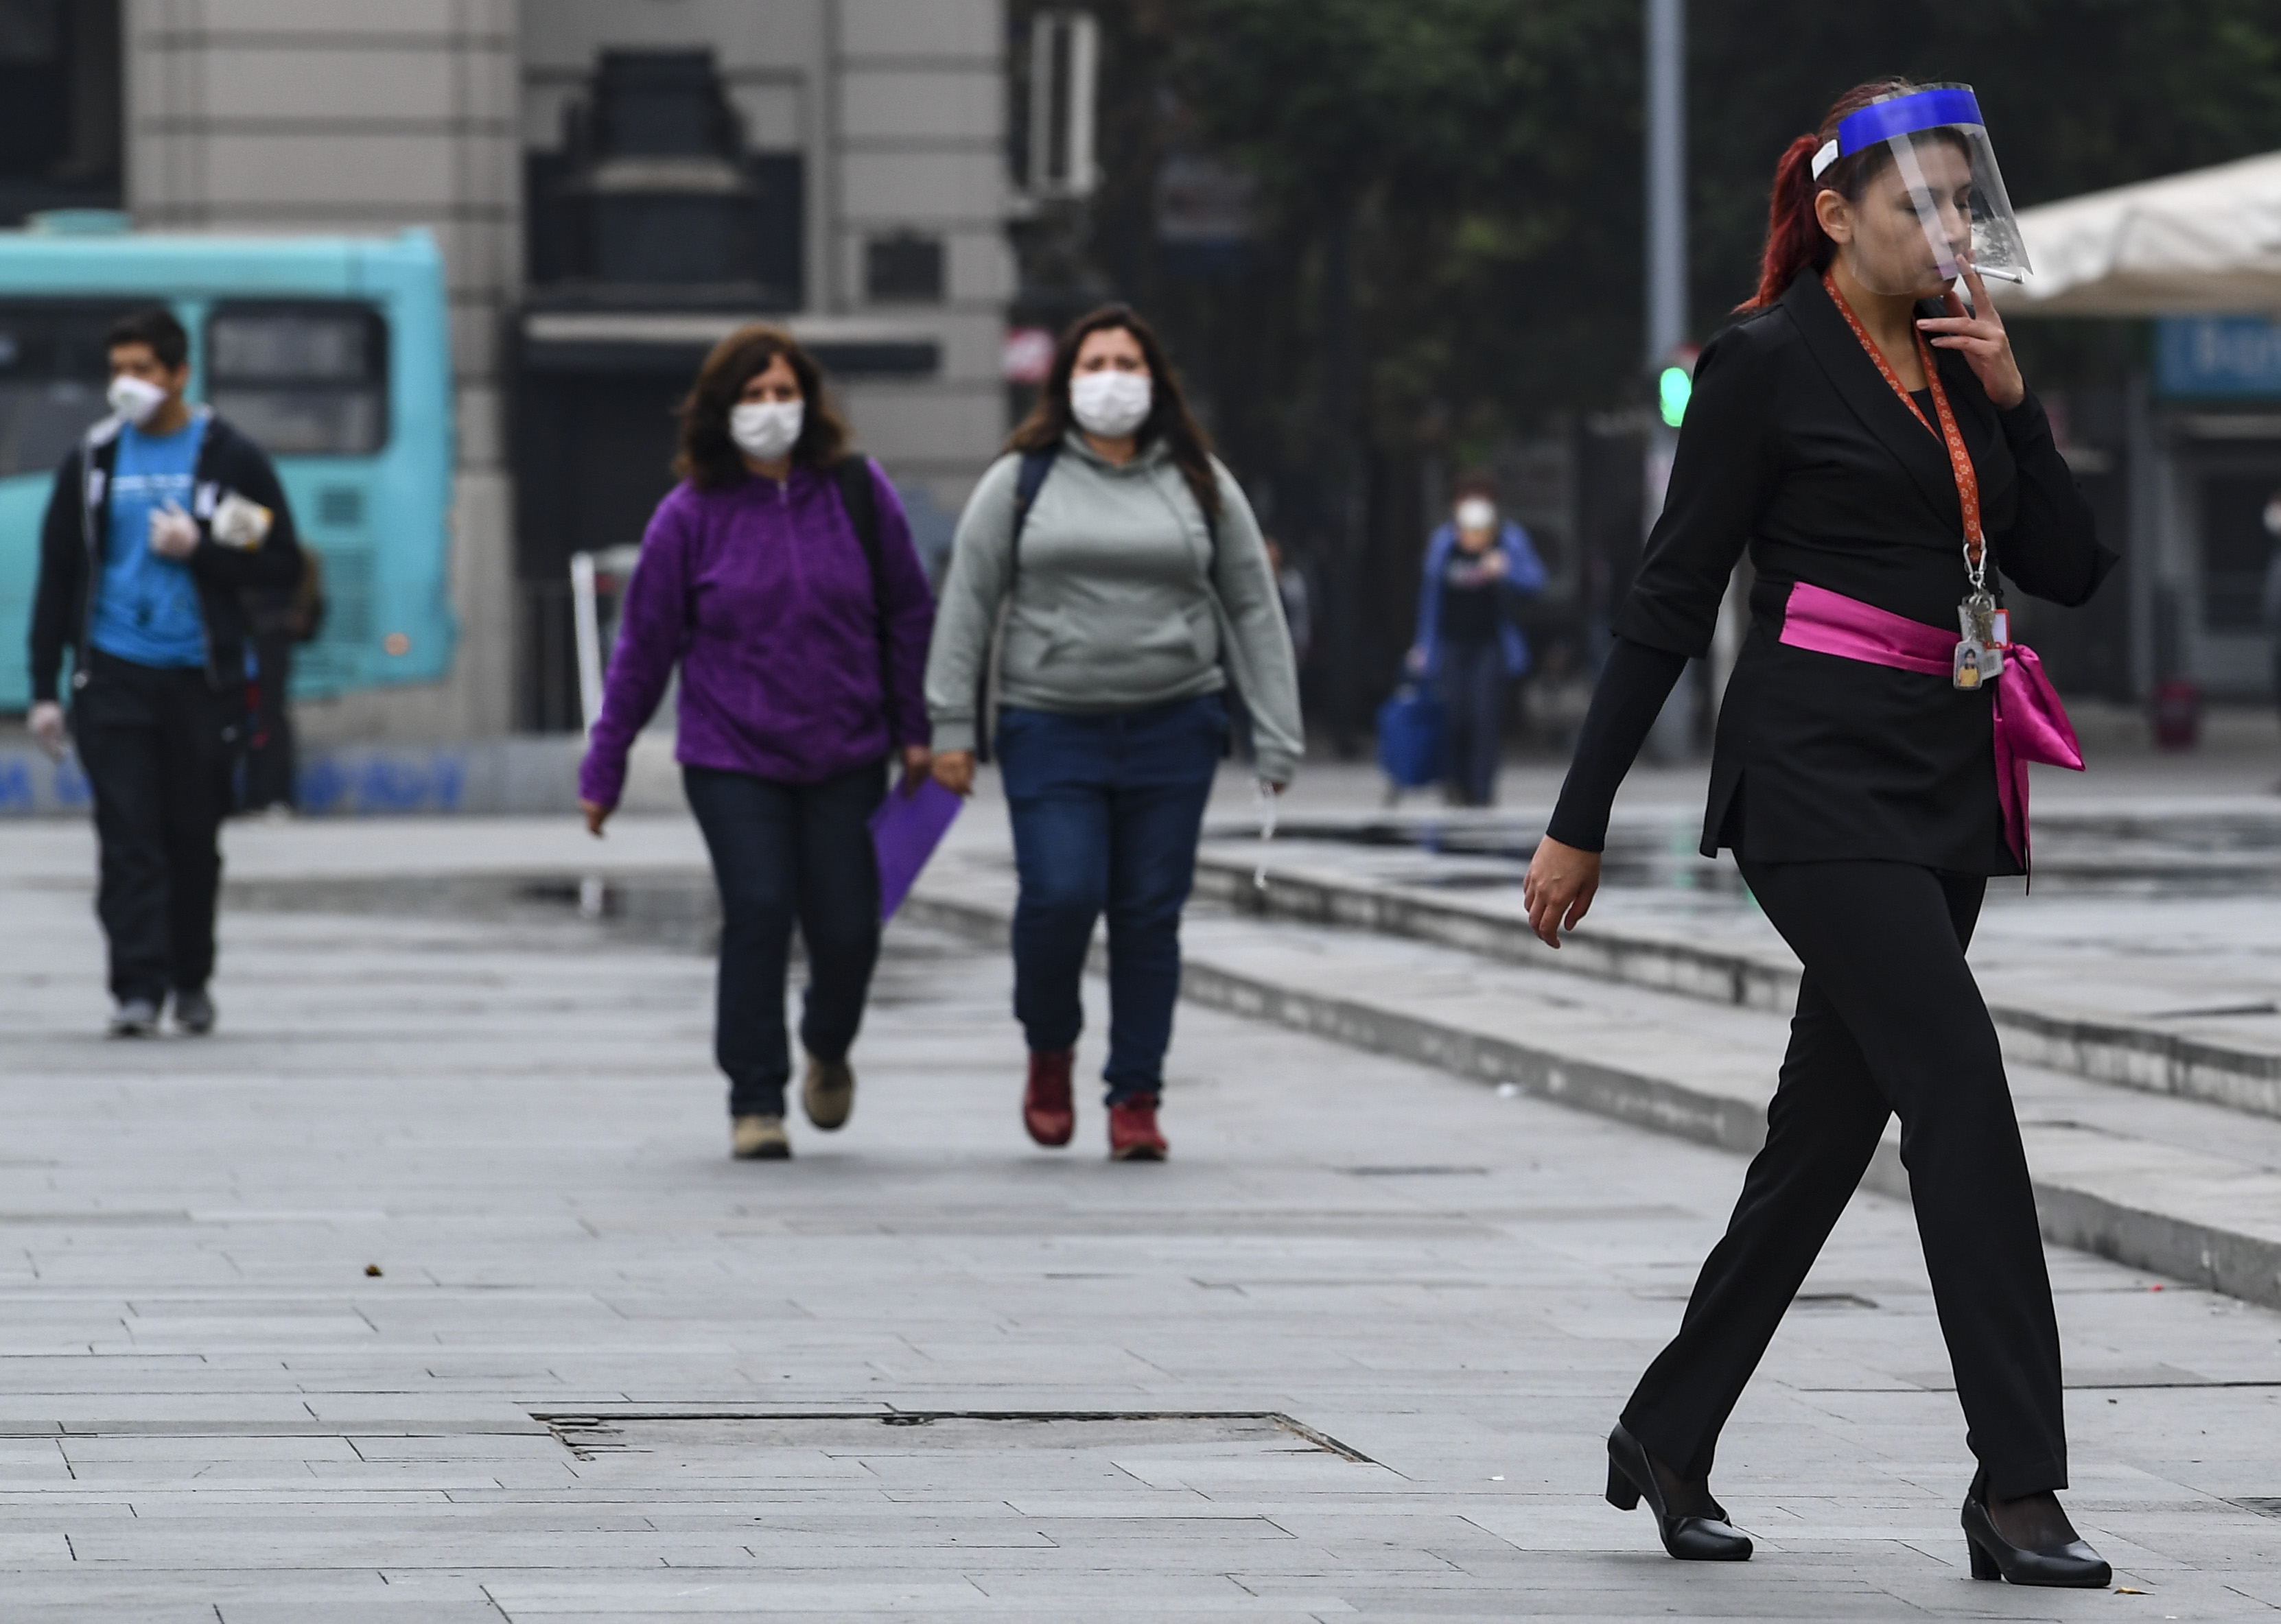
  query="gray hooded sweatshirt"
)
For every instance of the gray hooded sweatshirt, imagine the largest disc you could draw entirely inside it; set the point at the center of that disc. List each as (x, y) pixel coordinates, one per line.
(1122, 601)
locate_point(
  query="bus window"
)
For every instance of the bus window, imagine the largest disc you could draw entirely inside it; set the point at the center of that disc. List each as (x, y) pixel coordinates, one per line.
(53, 369)
(302, 379)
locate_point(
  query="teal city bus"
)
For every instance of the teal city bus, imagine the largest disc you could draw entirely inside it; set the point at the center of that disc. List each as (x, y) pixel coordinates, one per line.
(332, 353)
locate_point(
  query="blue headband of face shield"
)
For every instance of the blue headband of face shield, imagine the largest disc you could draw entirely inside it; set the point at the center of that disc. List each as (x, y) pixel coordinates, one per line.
(1906, 115)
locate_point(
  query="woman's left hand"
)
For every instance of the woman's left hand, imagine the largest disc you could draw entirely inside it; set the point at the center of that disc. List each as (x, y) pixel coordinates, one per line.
(1980, 337)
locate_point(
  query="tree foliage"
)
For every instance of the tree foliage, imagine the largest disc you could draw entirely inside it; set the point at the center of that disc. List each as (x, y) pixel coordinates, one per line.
(1492, 148)
(1488, 154)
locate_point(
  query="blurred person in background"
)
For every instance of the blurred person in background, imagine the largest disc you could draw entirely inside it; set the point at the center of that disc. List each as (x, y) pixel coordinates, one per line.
(162, 519)
(1292, 592)
(1134, 582)
(779, 574)
(279, 618)
(1479, 569)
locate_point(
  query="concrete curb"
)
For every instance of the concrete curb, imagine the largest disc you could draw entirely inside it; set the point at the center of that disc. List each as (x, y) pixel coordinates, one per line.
(2132, 1055)
(2097, 1207)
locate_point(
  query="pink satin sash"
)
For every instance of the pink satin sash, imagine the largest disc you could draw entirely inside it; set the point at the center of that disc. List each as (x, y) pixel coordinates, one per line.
(2030, 724)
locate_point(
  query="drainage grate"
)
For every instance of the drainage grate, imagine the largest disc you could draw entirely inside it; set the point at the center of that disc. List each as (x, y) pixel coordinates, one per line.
(1414, 1172)
(902, 1431)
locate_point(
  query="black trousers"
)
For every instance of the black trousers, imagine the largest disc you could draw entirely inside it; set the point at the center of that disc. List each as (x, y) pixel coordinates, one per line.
(1473, 681)
(159, 747)
(783, 852)
(1888, 1021)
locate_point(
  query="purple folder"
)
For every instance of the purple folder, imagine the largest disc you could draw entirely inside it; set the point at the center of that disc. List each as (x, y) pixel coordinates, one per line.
(905, 830)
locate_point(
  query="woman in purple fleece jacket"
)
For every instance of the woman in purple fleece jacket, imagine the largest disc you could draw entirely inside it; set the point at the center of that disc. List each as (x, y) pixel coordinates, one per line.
(793, 700)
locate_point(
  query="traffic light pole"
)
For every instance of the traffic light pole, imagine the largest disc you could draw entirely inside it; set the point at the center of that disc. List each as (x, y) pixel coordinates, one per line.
(1672, 739)
(1667, 179)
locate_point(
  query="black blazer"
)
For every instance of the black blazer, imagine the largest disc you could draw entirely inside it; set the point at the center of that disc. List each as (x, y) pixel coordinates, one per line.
(1796, 447)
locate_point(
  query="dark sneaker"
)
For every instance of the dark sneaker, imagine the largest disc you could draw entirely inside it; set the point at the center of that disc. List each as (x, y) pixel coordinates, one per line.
(1132, 1136)
(759, 1139)
(194, 1013)
(133, 1018)
(827, 1094)
(1046, 1109)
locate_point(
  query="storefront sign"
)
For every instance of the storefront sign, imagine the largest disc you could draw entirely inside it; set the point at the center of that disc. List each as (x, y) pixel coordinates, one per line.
(2231, 358)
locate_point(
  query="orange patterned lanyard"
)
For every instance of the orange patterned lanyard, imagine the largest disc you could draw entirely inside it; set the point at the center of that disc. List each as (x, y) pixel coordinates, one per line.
(1960, 461)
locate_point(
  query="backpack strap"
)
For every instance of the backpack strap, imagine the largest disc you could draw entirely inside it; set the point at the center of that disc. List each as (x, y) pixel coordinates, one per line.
(1032, 479)
(852, 476)
(1035, 465)
(1238, 741)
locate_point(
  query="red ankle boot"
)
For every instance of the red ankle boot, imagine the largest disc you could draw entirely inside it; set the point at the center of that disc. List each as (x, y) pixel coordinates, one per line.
(1132, 1136)
(1046, 1110)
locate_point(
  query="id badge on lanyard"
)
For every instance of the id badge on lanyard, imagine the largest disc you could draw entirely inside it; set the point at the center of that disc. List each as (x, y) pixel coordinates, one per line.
(1984, 627)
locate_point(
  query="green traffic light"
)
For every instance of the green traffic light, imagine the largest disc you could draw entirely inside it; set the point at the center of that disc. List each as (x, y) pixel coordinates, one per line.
(1671, 390)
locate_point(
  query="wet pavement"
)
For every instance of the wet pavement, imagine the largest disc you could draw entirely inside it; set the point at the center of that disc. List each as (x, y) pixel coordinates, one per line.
(1350, 1353)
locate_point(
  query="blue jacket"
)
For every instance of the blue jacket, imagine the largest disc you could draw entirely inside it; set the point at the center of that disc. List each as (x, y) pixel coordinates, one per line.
(1524, 577)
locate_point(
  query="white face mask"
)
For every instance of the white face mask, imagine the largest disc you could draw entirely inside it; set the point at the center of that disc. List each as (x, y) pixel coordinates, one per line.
(766, 431)
(1476, 513)
(135, 398)
(1111, 404)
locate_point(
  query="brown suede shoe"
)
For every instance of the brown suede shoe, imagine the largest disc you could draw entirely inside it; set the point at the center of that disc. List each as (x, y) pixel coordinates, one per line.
(828, 1093)
(1046, 1109)
(1132, 1136)
(759, 1139)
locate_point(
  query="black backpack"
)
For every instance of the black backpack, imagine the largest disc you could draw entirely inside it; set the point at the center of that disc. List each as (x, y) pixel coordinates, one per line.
(854, 476)
(1035, 465)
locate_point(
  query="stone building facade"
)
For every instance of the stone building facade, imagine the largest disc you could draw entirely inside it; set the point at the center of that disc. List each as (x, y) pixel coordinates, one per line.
(614, 184)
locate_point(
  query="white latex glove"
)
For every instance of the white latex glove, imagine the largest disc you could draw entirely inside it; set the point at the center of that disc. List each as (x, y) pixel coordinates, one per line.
(46, 722)
(173, 533)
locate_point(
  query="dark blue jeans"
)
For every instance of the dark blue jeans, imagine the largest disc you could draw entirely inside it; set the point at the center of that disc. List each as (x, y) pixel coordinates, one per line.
(781, 852)
(1472, 685)
(1106, 812)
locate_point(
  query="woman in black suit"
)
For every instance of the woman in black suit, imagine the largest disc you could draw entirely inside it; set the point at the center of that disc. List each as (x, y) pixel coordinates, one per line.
(1860, 795)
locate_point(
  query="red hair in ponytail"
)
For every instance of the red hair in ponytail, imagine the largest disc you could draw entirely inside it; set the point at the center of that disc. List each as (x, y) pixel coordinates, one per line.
(1795, 239)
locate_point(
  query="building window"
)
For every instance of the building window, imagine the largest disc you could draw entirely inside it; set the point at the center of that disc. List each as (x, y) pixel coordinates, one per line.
(655, 193)
(58, 107)
(904, 269)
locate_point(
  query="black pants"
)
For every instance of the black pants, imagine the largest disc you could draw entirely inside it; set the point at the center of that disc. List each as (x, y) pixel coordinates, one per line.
(159, 747)
(1889, 1020)
(1472, 684)
(269, 756)
(781, 852)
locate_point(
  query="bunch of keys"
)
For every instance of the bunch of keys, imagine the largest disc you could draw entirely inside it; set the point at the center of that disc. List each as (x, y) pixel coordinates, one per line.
(1987, 633)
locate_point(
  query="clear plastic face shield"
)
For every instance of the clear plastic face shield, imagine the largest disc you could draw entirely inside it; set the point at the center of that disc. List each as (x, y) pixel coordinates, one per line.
(1939, 206)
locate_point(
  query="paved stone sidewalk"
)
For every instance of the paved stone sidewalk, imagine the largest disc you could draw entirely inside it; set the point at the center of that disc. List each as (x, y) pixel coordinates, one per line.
(606, 1373)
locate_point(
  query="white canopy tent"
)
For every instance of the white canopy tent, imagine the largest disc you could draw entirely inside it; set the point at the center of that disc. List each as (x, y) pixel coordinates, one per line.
(2207, 241)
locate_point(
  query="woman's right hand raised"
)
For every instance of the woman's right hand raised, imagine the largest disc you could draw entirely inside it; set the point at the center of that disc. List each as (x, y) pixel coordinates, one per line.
(1558, 891)
(953, 770)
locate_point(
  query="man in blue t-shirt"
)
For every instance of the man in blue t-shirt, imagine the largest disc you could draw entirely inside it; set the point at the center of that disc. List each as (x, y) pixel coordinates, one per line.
(159, 523)
(146, 607)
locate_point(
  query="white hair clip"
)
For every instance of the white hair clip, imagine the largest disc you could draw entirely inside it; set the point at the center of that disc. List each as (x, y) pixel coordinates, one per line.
(1824, 158)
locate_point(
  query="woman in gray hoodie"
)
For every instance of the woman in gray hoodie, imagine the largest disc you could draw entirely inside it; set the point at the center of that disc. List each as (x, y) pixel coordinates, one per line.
(1135, 587)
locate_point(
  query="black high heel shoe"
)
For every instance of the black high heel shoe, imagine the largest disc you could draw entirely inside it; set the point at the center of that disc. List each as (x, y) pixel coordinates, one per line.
(1688, 1539)
(2074, 1566)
